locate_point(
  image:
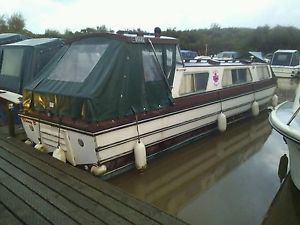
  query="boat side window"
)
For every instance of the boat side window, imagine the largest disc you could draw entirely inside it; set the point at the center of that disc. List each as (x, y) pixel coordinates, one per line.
(295, 59)
(192, 83)
(12, 62)
(236, 76)
(262, 72)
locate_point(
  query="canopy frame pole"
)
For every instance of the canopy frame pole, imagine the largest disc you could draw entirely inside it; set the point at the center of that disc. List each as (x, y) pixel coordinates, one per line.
(162, 70)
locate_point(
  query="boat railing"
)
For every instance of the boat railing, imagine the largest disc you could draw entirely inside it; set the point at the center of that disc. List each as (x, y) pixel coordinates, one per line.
(218, 61)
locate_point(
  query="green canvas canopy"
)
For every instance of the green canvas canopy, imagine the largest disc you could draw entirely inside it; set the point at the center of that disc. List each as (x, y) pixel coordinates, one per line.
(21, 61)
(102, 76)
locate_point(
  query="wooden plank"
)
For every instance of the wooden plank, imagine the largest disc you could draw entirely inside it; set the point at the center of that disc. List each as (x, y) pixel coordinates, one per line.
(22, 211)
(49, 203)
(118, 207)
(66, 191)
(134, 207)
(6, 217)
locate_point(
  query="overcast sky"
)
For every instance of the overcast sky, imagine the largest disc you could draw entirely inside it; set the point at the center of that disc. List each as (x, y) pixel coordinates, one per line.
(121, 14)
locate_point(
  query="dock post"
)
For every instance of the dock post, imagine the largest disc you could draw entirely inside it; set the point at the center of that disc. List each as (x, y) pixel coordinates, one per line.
(10, 120)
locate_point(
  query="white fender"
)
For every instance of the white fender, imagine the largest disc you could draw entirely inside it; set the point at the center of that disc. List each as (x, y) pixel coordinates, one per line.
(59, 154)
(40, 147)
(222, 122)
(98, 170)
(274, 100)
(255, 108)
(28, 142)
(140, 158)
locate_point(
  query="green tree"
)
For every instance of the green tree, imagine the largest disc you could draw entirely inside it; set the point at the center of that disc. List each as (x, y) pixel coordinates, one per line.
(103, 28)
(3, 24)
(16, 22)
(52, 33)
(68, 34)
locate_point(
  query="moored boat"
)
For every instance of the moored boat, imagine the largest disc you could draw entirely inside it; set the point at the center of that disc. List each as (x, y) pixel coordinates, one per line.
(285, 63)
(285, 119)
(19, 65)
(112, 99)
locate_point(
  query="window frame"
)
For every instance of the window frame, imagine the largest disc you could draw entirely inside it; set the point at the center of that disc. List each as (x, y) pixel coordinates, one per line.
(238, 76)
(193, 83)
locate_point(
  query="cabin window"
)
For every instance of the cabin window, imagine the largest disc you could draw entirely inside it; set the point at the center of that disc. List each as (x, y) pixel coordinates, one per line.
(262, 72)
(236, 76)
(78, 62)
(12, 62)
(191, 83)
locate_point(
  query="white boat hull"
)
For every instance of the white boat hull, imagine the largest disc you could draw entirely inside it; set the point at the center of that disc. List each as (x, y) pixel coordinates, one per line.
(285, 71)
(294, 153)
(279, 119)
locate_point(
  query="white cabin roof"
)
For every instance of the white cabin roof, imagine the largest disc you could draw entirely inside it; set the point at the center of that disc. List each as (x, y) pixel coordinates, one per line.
(286, 51)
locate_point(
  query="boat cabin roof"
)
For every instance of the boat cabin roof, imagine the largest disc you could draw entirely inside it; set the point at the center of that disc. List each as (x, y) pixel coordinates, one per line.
(130, 38)
(286, 51)
(34, 42)
(6, 38)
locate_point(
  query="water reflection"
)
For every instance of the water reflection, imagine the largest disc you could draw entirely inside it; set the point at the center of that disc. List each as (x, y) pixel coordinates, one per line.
(202, 174)
(286, 89)
(283, 167)
(285, 208)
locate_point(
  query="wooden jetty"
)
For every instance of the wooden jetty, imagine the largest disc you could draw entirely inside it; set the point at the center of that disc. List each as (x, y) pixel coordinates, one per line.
(38, 189)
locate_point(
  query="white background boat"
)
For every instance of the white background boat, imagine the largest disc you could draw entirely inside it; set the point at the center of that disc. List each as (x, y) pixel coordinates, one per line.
(285, 63)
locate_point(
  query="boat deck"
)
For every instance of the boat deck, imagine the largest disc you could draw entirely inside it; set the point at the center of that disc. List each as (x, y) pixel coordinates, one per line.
(38, 189)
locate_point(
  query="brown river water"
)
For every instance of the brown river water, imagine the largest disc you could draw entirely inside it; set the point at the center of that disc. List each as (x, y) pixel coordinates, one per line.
(225, 178)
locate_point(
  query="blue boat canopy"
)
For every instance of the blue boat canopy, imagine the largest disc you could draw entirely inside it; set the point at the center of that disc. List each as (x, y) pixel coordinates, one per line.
(6, 38)
(21, 61)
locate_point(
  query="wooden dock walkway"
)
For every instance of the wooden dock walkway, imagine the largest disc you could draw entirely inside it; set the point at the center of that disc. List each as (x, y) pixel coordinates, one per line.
(38, 189)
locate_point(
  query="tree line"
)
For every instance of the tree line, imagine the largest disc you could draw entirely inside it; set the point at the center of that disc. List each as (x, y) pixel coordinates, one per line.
(205, 41)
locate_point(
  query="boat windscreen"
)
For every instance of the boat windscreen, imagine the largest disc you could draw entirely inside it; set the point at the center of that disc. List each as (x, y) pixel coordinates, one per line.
(282, 59)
